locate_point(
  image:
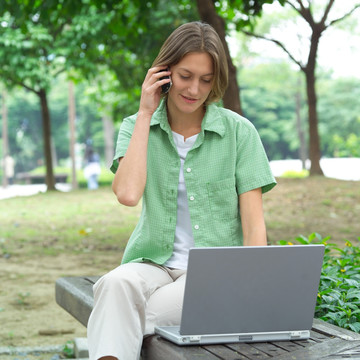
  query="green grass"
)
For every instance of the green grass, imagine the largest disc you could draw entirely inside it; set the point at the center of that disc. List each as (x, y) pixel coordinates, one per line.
(55, 222)
(293, 174)
(82, 222)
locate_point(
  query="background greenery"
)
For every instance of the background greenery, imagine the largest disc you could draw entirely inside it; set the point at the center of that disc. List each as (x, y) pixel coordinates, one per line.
(107, 41)
(268, 98)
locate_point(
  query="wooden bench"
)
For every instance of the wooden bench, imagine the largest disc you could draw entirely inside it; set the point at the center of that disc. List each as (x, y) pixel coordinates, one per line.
(28, 178)
(327, 341)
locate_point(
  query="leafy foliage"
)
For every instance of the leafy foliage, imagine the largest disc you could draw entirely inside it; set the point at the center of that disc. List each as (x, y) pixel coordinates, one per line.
(69, 350)
(338, 104)
(339, 290)
(105, 41)
(268, 98)
(242, 13)
(105, 178)
(44, 40)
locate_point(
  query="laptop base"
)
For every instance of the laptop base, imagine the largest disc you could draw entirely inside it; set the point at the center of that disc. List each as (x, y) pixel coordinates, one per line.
(172, 333)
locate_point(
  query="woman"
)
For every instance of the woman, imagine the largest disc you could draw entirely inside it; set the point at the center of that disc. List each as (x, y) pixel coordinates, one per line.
(200, 170)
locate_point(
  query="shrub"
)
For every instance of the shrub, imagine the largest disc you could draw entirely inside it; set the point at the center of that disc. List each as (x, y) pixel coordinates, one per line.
(105, 177)
(339, 289)
(293, 174)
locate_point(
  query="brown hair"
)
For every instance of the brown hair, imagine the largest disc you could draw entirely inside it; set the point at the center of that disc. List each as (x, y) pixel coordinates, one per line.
(197, 37)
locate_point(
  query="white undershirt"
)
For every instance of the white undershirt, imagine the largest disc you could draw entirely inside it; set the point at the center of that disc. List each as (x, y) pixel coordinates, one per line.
(184, 239)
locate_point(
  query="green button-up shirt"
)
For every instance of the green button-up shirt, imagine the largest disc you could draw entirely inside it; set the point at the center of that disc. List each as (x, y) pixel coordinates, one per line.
(226, 160)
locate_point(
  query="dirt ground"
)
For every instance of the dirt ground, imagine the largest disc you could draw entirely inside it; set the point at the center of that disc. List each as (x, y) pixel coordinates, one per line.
(29, 313)
(329, 207)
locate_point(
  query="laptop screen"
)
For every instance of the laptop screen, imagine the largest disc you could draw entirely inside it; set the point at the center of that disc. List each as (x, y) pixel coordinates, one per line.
(251, 289)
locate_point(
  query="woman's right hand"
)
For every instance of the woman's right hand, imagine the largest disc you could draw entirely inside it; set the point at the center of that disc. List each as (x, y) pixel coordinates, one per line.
(151, 89)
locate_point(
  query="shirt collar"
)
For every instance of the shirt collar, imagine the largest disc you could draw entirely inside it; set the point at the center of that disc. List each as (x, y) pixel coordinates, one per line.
(211, 122)
(160, 117)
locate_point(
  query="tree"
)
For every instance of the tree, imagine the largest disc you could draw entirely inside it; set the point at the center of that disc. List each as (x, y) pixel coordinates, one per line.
(159, 18)
(308, 67)
(43, 39)
(269, 93)
(139, 46)
(221, 15)
(5, 138)
(40, 40)
(208, 14)
(339, 118)
(13, 45)
(128, 53)
(72, 131)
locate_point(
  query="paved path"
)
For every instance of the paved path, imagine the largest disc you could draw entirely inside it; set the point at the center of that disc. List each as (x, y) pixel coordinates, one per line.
(339, 168)
(28, 190)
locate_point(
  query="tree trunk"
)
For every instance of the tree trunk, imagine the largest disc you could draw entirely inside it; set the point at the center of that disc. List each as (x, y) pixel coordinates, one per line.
(49, 179)
(300, 130)
(5, 140)
(72, 139)
(208, 14)
(314, 140)
(109, 131)
(53, 153)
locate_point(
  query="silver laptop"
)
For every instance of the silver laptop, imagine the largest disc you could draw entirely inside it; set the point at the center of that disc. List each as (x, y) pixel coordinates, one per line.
(248, 294)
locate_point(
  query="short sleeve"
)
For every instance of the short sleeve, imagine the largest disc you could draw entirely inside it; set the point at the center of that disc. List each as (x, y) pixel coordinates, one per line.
(252, 168)
(123, 140)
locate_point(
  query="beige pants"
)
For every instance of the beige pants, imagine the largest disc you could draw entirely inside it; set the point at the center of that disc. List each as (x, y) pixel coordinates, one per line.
(129, 302)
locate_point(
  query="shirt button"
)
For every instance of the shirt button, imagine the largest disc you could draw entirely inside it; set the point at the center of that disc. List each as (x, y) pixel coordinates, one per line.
(188, 170)
(192, 198)
(196, 227)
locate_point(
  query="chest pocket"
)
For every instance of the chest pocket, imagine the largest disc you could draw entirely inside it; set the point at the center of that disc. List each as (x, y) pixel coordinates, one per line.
(223, 199)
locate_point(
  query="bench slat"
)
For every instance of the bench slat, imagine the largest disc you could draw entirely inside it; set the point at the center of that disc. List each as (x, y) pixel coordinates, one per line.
(74, 294)
(156, 348)
(333, 330)
(323, 350)
(249, 351)
(272, 350)
(228, 353)
(327, 341)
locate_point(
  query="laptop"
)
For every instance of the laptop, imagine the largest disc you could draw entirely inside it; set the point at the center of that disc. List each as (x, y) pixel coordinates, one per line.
(248, 294)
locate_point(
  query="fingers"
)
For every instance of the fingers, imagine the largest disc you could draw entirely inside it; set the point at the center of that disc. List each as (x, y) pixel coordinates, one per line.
(156, 77)
(151, 87)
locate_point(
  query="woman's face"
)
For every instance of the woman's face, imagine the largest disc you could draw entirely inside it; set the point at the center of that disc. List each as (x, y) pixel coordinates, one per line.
(192, 80)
